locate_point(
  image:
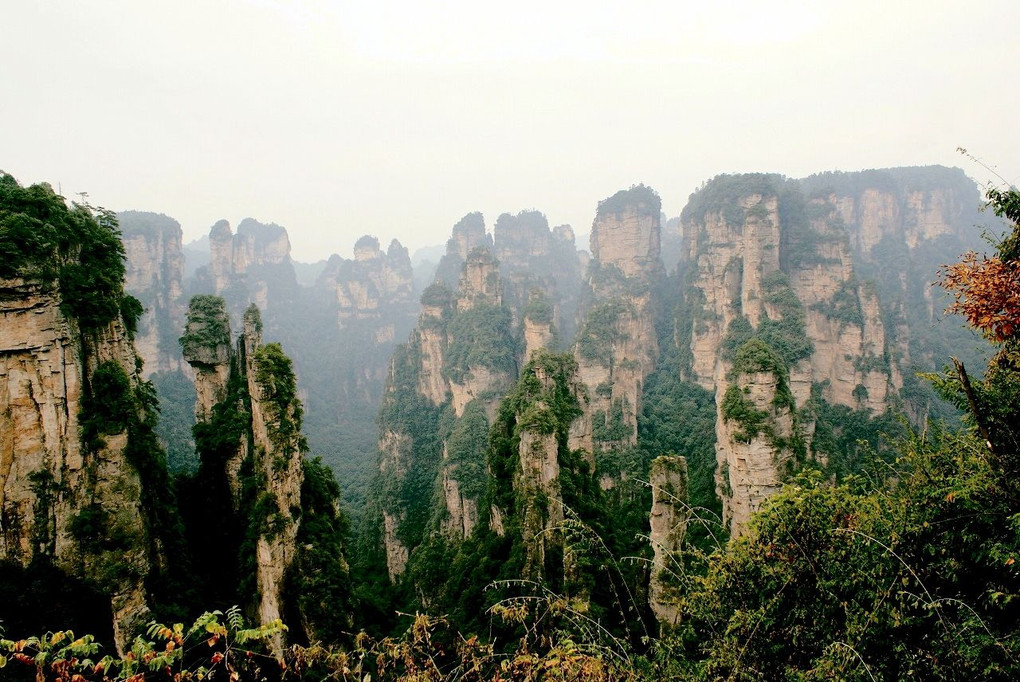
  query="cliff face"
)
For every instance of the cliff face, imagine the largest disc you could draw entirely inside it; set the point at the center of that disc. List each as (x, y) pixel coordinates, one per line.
(537, 262)
(470, 367)
(668, 525)
(276, 448)
(263, 468)
(467, 235)
(372, 304)
(371, 285)
(50, 481)
(617, 345)
(802, 267)
(536, 418)
(84, 492)
(626, 235)
(455, 367)
(206, 347)
(153, 274)
(910, 206)
(251, 266)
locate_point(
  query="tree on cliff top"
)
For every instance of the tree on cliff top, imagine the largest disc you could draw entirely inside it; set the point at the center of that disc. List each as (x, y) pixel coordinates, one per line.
(640, 197)
(79, 247)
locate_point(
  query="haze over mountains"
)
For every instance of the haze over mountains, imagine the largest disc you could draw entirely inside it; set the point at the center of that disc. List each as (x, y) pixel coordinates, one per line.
(518, 413)
(850, 244)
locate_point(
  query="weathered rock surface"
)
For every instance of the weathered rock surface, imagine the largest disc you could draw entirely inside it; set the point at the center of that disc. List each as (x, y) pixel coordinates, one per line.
(752, 464)
(371, 285)
(668, 525)
(47, 477)
(767, 256)
(467, 235)
(628, 238)
(545, 383)
(251, 266)
(617, 344)
(536, 261)
(270, 448)
(206, 348)
(277, 451)
(154, 270)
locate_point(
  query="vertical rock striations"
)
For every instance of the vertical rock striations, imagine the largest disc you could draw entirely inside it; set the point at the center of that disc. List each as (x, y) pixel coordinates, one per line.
(206, 347)
(786, 321)
(538, 263)
(154, 273)
(617, 346)
(83, 483)
(531, 452)
(249, 437)
(251, 266)
(276, 451)
(467, 235)
(443, 391)
(668, 525)
(375, 285)
(53, 481)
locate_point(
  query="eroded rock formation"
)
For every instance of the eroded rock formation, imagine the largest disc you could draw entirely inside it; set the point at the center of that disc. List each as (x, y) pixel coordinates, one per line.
(251, 266)
(154, 271)
(538, 415)
(65, 466)
(668, 525)
(263, 470)
(617, 344)
(790, 264)
(375, 285)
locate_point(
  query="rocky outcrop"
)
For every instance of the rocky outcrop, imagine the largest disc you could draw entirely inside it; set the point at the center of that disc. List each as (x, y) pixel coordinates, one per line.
(668, 525)
(728, 260)
(479, 281)
(902, 224)
(251, 266)
(467, 235)
(53, 485)
(277, 448)
(154, 270)
(206, 347)
(462, 511)
(470, 367)
(617, 345)
(626, 233)
(788, 263)
(763, 265)
(375, 285)
(431, 342)
(755, 434)
(539, 333)
(536, 261)
(457, 363)
(394, 463)
(548, 398)
(266, 461)
(463, 472)
(538, 485)
(909, 206)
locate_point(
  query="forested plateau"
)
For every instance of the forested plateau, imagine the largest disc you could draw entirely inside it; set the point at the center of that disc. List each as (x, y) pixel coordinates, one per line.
(774, 437)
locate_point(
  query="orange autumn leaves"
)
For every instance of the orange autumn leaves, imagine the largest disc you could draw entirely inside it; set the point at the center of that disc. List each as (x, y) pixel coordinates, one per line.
(987, 293)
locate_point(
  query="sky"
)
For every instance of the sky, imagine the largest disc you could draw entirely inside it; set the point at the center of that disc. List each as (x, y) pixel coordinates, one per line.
(339, 119)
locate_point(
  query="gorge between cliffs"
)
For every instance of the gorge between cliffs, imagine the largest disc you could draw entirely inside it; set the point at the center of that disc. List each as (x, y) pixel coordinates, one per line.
(715, 445)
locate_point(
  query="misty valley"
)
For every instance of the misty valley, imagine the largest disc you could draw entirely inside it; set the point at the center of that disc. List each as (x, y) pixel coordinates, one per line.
(776, 436)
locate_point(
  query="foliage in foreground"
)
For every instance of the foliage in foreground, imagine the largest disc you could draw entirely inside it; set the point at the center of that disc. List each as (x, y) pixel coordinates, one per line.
(220, 646)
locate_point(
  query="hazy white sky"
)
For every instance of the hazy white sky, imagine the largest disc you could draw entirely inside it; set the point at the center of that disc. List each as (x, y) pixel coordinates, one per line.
(338, 119)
